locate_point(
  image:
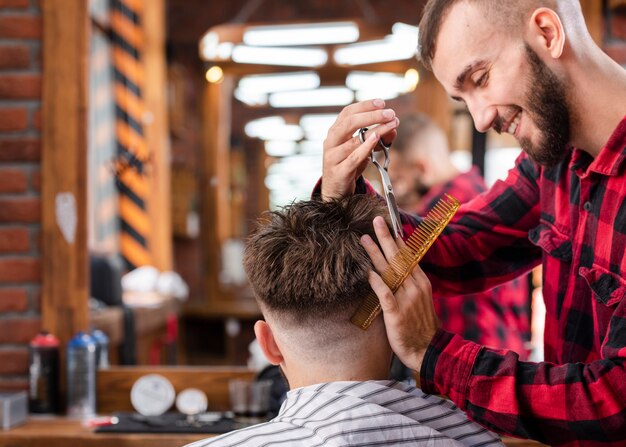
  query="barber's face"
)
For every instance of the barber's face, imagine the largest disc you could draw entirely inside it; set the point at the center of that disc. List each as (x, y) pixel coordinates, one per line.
(504, 83)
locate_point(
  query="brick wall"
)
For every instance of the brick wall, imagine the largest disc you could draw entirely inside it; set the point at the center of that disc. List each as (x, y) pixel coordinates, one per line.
(20, 207)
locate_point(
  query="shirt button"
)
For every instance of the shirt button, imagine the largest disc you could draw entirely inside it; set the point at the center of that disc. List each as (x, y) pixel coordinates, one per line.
(587, 206)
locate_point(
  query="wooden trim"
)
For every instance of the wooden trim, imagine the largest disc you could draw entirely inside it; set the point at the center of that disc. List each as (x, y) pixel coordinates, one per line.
(114, 384)
(592, 10)
(216, 219)
(157, 135)
(64, 167)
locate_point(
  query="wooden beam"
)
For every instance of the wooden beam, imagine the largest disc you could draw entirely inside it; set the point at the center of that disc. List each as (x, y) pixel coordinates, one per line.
(216, 217)
(157, 135)
(592, 10)
(64, 167)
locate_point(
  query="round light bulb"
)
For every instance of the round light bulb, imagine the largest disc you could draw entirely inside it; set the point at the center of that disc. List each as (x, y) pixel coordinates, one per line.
(215, 75)
(411, 79)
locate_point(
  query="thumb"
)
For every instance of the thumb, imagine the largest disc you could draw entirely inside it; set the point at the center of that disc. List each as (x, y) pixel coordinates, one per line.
(388, 302)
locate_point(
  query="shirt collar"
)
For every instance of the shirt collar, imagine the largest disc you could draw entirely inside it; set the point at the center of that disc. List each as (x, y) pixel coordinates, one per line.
(610, 158)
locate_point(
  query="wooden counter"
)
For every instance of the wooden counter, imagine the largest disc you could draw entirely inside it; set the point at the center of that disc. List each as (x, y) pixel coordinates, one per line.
(63, 432)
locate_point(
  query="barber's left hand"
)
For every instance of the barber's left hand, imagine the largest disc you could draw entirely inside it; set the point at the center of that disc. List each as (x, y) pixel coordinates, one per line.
(410, 318)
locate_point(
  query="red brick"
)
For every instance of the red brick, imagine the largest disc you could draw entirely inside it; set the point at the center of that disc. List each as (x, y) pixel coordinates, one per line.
(21, 4)
(22, 210)
(20, 270)
(13, 300)
(14, 56)
(35, 304)
(13, 180)
(14, 240)
(20, 27)
(19, 330)
(22, 86)
(23, 149)
(37, 119)
(13, 384)
(14, 361)
(36, 180)
(13, 119)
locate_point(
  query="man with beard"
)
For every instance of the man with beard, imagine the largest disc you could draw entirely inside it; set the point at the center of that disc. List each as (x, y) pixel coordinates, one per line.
(421, 163)
(529, 68)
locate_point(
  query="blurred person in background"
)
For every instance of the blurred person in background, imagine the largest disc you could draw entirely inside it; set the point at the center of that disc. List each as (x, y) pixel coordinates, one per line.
(422, 171)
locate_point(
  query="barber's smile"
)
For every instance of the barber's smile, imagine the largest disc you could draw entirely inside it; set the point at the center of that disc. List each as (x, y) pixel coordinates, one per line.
(513, 125)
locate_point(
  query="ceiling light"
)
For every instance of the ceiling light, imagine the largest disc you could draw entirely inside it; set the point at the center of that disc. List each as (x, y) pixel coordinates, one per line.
(324, 96)
(251, 97)
(279, 82)
(362, 80)
(312, 147)
(215, 75)
(280, 148)
(405, 31)
(293, 57)
(411, 79)
(391, 48)
(316, 125)
(273, 128)
(302, 34)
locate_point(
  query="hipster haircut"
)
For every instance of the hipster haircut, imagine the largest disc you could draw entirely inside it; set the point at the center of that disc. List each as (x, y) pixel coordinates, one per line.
(509, 14)
(413, 128)
(306, 261)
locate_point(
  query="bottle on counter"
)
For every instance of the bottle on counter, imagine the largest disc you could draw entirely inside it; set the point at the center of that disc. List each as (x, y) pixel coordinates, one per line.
(43, 377)
(81, 376)
(102, 348)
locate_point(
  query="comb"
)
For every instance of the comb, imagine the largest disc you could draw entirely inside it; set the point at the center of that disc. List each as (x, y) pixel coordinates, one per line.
(404, 262)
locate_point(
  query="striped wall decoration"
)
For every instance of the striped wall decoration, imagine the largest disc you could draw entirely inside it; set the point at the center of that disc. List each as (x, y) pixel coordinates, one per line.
(132, 154)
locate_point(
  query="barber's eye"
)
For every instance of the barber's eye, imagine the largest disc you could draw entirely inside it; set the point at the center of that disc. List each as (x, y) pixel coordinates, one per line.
(482, 80)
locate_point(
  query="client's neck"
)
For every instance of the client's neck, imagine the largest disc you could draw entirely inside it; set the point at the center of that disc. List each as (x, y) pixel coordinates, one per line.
(304, 372)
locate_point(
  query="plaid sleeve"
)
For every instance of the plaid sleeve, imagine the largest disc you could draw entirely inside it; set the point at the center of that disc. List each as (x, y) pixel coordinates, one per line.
(553, 404)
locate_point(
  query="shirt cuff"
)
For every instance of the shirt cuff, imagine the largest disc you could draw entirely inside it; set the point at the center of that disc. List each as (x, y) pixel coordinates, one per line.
(447, 367)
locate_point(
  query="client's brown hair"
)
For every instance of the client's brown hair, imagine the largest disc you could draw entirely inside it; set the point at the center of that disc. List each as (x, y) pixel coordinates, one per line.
(306, 259)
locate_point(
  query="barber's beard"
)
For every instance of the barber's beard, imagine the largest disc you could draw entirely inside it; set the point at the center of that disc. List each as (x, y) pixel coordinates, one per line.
(547, 105)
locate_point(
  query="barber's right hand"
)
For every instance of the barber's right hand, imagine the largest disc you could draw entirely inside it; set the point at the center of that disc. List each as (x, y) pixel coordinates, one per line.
(410, 318)
(345, 157)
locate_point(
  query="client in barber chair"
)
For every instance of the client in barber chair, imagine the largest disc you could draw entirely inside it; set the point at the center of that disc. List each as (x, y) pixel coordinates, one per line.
(310, 273)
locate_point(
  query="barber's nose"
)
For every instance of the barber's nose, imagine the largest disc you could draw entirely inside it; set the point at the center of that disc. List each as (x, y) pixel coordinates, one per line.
(482, 114)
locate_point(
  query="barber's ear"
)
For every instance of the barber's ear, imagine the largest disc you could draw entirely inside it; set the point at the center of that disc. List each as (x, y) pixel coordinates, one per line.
(266, 339)
(546, 29)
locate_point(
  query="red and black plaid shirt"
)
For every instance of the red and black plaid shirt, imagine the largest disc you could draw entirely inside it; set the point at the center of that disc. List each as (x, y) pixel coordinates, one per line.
(572, 219)
(498, 318)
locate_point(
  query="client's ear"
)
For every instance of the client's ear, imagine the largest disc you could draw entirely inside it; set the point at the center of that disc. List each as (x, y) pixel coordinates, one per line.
(266, 339)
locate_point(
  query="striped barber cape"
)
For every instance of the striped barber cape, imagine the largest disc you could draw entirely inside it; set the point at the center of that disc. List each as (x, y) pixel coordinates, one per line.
(372, 413)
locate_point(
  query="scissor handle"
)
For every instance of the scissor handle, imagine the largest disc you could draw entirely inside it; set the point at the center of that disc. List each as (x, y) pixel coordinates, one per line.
(384, 147)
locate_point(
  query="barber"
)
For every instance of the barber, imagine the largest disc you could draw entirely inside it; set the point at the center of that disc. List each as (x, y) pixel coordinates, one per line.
(529, 68)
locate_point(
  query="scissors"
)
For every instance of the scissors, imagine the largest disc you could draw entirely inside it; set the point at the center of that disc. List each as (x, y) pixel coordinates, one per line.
(388, 189)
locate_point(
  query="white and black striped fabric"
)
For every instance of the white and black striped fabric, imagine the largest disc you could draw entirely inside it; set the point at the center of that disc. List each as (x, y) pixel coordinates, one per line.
(372, 413)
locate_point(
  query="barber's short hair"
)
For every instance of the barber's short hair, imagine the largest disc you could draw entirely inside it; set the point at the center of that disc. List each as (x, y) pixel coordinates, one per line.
(306, 261)
(506, 13)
